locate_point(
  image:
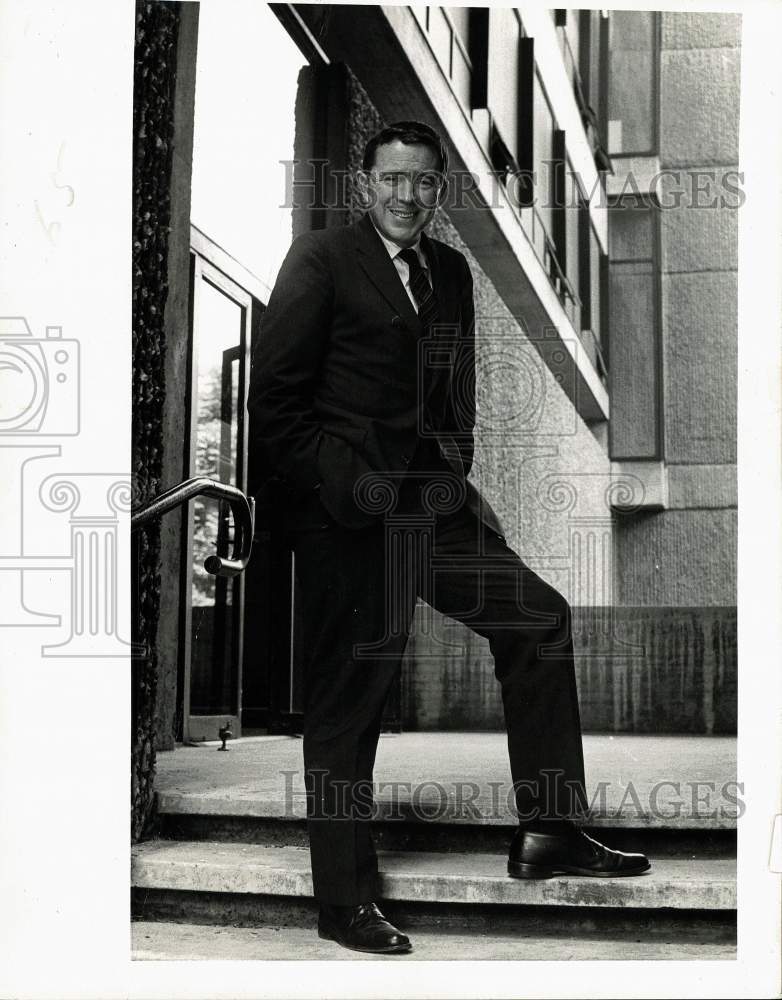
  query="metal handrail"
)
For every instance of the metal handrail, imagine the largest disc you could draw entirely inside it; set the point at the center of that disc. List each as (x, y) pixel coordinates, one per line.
(242, 508)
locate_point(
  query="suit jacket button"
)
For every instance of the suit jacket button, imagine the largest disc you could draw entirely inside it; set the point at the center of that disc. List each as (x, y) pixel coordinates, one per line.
(396, 321)
(405, 459)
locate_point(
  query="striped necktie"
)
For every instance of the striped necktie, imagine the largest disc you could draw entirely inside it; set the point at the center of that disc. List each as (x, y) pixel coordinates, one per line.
(428, 311)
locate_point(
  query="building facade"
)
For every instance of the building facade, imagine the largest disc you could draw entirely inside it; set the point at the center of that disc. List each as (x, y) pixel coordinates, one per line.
(594, 186)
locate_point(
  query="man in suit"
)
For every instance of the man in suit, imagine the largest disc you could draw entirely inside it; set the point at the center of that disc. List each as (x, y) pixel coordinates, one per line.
(362, 405)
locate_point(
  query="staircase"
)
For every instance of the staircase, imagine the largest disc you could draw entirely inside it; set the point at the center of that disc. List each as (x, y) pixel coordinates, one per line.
(228, 876)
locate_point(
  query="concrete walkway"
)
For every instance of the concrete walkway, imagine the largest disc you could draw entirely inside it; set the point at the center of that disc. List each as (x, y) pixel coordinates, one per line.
(154, 941)
(662, 781)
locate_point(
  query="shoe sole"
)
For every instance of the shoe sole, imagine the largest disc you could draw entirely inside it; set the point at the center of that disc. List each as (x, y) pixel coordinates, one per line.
(518, 869)
(394, 949)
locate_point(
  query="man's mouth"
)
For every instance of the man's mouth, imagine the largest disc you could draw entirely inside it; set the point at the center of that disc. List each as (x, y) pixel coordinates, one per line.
(399, 213)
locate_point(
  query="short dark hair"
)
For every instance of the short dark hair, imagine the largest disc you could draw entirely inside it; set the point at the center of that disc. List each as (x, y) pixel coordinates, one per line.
(408, 133)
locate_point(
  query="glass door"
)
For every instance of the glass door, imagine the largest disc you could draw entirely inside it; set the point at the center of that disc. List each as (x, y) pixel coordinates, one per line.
(252, 119)
(212, 649)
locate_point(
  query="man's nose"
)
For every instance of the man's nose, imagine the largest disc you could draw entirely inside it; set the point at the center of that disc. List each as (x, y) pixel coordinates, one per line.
(405, 191)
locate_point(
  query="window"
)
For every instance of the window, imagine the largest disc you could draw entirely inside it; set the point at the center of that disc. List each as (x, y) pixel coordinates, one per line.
(583, 40)
(632, 99)
(593, 66)
(542, 212)
(503, 72)
(449, 30)
(593, 291)
(593, 61)
(567, 198)
(569, 42)
(574, 203)
(478, 47)
(635, 371)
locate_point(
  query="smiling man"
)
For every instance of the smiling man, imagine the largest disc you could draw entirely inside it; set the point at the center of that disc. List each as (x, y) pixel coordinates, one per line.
(362, 406)
(402, 184)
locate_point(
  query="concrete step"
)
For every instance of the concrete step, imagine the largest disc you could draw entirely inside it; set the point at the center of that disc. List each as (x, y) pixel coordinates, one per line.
(617, 924)
(682, 783)
(453, 878)
(411, 834)
(236, 852)
(168, 940)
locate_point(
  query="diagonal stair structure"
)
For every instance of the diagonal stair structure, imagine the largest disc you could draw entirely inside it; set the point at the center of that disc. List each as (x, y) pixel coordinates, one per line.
(229, 867)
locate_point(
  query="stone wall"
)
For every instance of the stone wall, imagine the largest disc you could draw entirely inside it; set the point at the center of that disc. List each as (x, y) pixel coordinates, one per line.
(153, 93)
(176, 323)
(639, 669)
(687, 555)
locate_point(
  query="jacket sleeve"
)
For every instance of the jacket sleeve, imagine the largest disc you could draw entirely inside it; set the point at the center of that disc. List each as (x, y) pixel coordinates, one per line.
(460, 404)
(286, 360)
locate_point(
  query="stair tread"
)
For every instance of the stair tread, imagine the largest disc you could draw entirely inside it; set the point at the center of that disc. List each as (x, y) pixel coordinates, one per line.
(428, 876)
(671, 782)
(179, 803)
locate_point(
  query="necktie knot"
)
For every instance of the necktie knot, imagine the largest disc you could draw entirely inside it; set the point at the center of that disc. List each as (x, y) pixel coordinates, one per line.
(410, 257)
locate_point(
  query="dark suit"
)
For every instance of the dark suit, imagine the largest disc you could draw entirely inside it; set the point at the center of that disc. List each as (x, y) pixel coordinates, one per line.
(355, 412)
(337, 381)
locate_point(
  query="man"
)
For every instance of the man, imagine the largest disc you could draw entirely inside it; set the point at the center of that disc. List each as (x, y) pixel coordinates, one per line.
(362, 401)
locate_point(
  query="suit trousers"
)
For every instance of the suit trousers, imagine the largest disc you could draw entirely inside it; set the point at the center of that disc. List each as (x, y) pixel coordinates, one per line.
(359, 590)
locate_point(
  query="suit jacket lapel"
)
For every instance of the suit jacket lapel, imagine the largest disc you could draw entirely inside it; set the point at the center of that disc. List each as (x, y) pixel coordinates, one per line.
(380, 270)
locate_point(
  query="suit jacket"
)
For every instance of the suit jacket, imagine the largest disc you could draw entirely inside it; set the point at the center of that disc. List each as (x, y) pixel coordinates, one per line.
(343, 383)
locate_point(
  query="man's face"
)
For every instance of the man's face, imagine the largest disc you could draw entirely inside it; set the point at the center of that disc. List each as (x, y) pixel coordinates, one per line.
(403, 189)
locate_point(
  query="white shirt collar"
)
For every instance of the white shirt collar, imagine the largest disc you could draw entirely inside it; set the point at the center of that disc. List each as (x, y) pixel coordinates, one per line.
(394, 248)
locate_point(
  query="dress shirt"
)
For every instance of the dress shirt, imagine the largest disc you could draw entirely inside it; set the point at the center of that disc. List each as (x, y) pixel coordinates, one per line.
(402, 269)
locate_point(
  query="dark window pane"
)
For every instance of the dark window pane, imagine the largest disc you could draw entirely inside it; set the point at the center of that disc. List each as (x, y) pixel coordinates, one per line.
(594, 285)
(213, 678)
(572, 228)
(632, 82)
(633, 370)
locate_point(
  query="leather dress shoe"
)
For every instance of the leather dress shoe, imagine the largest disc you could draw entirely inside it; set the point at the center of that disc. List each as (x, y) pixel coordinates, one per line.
(361, 928)
(538, 854)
